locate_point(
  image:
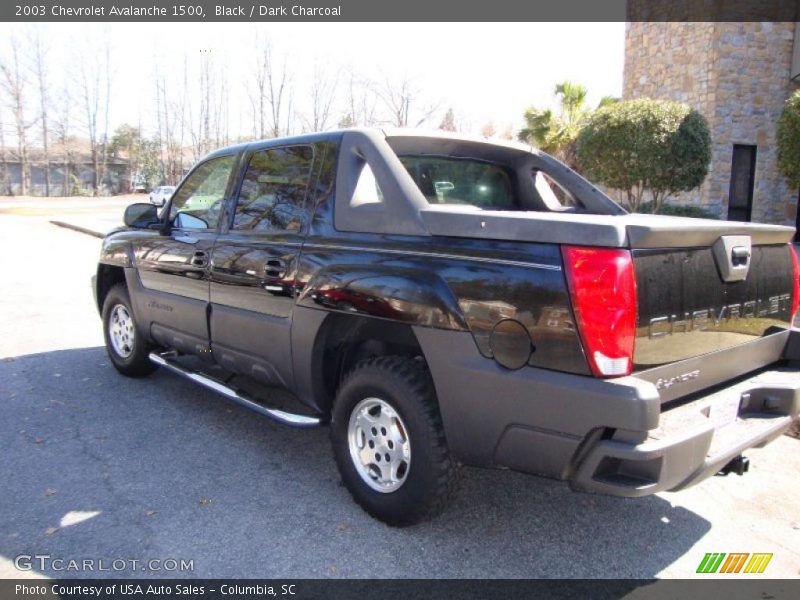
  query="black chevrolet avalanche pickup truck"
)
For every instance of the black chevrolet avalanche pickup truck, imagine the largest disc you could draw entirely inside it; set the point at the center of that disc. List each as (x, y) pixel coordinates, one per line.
(439, 300)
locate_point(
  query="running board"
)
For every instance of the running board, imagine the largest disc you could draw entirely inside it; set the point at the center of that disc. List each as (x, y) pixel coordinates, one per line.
(294, 420)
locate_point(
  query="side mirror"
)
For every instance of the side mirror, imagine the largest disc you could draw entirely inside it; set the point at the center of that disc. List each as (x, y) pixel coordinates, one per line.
(141, 215)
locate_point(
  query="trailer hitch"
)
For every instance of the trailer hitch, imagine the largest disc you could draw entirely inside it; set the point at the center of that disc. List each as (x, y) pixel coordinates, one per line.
(739, 465)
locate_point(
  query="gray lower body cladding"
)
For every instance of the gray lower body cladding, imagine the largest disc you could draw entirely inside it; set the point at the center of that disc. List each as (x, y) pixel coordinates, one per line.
(608, 436)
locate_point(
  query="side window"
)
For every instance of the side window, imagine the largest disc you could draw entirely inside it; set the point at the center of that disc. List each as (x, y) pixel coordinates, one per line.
(273, 193)
(198, 202)
(553, 194)
(367, 190)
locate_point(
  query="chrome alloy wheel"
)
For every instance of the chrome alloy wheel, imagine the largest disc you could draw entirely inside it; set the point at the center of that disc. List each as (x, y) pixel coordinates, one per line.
(379, 445)
(121, 330)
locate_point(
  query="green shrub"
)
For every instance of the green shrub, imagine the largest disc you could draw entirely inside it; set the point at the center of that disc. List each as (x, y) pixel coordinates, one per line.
(678, 210)
(644, 145)
(789, 140)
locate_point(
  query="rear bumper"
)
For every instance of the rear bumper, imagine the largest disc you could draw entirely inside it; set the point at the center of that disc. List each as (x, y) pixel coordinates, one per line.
(617, 436)
(688, 445)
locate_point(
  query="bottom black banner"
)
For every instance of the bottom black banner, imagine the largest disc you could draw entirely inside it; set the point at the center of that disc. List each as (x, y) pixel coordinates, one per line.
(381, 589)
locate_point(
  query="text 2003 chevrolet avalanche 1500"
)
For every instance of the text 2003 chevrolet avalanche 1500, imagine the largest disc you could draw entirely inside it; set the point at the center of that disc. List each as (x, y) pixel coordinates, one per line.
(441, 301)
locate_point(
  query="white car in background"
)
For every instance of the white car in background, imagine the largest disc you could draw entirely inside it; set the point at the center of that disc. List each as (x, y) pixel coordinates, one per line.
(161, 194)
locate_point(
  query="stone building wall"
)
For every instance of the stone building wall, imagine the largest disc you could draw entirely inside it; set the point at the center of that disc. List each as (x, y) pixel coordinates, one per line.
(737, 75)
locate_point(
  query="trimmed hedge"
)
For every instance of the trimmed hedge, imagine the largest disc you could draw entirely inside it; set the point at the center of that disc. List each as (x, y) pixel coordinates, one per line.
(645, 145)
(677, 210)
(789, 140)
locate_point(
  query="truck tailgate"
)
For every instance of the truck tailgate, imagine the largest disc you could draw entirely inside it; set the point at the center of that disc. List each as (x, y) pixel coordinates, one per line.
(689, 304)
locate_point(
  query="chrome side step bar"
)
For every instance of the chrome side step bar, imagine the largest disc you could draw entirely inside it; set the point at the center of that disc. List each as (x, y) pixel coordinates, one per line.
(286, 418)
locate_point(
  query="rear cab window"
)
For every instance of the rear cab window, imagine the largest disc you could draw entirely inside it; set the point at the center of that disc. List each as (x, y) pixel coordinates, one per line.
(458, 173)
(450, 180)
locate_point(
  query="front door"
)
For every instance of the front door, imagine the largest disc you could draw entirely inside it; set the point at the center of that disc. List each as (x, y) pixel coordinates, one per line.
(253, 278)
(174, 268)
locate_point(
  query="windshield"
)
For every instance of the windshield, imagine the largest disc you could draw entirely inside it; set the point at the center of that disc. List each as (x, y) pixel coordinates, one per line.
(449, 180)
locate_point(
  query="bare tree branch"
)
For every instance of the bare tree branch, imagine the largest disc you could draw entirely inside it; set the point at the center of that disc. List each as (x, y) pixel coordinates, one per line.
(96, 84)
(398, 98)
(40, 68)
(323, 93)
(271, 94)
(14, 83)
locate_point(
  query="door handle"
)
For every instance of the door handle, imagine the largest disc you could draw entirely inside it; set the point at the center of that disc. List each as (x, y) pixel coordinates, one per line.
(200, 259)
(275, 268)
(740, 255)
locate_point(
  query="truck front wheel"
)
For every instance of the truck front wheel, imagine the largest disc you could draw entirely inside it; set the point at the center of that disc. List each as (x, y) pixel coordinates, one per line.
(128, 350)
(389, 443)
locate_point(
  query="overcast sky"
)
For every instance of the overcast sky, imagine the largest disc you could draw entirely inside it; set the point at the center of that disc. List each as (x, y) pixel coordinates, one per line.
(490, 71)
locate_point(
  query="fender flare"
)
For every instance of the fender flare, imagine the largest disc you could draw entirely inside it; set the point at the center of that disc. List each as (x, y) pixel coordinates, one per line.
(342, 298)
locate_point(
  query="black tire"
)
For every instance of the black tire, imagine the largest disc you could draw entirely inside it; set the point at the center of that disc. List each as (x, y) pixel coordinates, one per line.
(137, 363)
(432, 474)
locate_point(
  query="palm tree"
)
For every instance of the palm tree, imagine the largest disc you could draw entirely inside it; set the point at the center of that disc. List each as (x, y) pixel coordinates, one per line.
(556, 133)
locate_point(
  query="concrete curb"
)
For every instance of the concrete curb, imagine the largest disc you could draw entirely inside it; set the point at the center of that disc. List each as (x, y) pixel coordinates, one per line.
(79, 229)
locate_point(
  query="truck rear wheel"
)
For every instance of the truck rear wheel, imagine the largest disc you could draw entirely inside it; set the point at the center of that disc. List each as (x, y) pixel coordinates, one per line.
(389, 443)
(128, 350)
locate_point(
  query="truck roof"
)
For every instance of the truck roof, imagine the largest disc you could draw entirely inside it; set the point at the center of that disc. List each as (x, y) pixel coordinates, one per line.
(387, 132)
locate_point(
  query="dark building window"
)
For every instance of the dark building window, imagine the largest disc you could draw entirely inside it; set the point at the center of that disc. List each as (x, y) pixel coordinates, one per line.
(743, 174)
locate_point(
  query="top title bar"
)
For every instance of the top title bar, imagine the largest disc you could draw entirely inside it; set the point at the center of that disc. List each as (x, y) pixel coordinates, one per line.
(393, 10)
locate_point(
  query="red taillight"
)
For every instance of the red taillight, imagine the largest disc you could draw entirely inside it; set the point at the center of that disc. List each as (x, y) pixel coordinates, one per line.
(795, 283)
(603, 290)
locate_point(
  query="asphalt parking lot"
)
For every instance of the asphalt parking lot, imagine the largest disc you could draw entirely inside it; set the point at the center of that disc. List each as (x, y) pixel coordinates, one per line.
(97, 466)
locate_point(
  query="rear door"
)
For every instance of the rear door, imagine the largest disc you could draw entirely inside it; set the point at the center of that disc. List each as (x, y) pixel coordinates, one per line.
(254, 273)
(174, 268)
